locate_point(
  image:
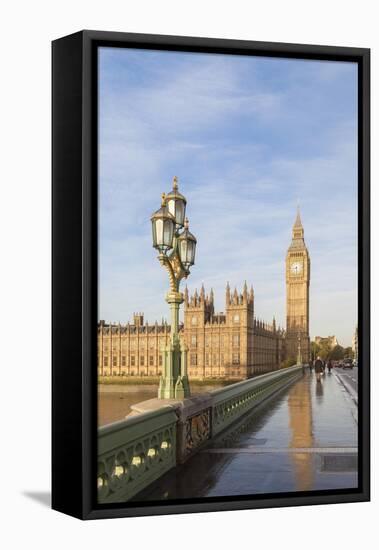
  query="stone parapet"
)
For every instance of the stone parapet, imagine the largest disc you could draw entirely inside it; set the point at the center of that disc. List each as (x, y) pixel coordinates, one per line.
(161, 433)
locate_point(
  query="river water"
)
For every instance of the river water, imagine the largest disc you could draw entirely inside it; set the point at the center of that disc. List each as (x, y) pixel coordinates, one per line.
(115, 401)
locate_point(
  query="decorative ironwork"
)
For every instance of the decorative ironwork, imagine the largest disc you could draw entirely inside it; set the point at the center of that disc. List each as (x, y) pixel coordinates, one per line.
(135, 452)
(176, 254)
(197, 430)
(232, 402)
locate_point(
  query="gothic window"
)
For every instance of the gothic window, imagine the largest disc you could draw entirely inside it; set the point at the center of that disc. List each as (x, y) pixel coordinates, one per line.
(194, 321)
(207, 341)
(236, 358)
(214, 360)
(133, 360)
(151, 360)
(193, 359)
(105, 361)
(142, 361)
(114, 361)
(236, 319)
(194, 341)
(207, 359)
(123, 361)
(236, 340)
(160, 360)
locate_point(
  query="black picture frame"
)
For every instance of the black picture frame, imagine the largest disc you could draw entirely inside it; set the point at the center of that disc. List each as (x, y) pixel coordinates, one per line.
(74, 271)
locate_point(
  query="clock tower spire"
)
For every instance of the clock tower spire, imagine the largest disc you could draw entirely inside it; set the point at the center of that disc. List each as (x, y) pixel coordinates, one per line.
(298, 270)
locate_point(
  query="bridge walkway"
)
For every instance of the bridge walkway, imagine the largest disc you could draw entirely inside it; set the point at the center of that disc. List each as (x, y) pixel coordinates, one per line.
(304, 438)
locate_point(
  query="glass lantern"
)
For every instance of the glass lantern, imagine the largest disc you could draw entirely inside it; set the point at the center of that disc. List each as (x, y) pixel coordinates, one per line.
(163, 226)
(187, 247)
(176, 204)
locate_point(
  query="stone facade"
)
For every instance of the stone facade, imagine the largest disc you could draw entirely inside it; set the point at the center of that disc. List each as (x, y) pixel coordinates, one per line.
(232, 345)
(298, 274)
(328, 340)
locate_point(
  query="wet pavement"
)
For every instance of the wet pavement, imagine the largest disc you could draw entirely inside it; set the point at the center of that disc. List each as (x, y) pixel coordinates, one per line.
(350, 377)
(304, 438)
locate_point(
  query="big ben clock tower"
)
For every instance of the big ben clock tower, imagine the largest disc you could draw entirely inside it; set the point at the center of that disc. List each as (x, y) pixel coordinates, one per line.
(298, 272)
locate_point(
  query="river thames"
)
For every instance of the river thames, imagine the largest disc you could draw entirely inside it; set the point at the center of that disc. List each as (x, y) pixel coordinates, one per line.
(115, 400)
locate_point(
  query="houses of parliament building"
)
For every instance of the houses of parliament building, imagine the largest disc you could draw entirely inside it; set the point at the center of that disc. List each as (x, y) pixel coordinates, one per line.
(232, 344)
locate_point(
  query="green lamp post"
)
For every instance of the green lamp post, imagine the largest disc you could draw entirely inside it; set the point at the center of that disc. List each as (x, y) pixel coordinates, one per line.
(176, 247)
(299, 358)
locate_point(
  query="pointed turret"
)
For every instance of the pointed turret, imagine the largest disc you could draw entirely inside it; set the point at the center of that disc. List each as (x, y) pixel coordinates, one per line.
(227, 294)
(297, 229)
(251, 295)
(235, 297)
(211, 296)
(202, 293)
(298, 218)
(244, 294)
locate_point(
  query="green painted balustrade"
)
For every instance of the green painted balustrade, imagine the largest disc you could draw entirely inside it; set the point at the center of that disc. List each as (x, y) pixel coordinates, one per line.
(230, 403)
(135, 452)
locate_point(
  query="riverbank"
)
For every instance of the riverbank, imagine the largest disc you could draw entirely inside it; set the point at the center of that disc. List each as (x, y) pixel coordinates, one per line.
(115, 399)
(154, 381)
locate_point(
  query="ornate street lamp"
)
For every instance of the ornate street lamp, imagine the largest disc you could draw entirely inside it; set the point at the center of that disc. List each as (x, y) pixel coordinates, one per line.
(163, 225)
(299, 358)
(177, 255)
(187, 247)
(176, 204)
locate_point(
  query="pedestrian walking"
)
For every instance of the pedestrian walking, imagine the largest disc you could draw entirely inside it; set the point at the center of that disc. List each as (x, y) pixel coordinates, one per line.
(330, 366)
(318, 368)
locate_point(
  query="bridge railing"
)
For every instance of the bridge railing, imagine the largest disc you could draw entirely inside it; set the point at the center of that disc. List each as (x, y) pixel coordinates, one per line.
(136, 451)
(232, 402)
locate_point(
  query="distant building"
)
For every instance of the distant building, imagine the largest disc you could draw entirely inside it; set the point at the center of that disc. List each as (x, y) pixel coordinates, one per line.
(331, 341)
(298, 275)
(234, 344)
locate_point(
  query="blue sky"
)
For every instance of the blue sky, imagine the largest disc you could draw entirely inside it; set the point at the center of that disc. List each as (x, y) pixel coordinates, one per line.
(248, 137)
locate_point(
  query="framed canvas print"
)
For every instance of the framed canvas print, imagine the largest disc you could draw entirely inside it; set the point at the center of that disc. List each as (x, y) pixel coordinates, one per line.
(210, 274)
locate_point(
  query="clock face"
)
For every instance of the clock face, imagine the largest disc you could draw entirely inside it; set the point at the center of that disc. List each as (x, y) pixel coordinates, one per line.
(296, 268)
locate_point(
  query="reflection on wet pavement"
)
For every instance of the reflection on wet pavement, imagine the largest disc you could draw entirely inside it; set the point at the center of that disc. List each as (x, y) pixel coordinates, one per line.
(305, 438)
